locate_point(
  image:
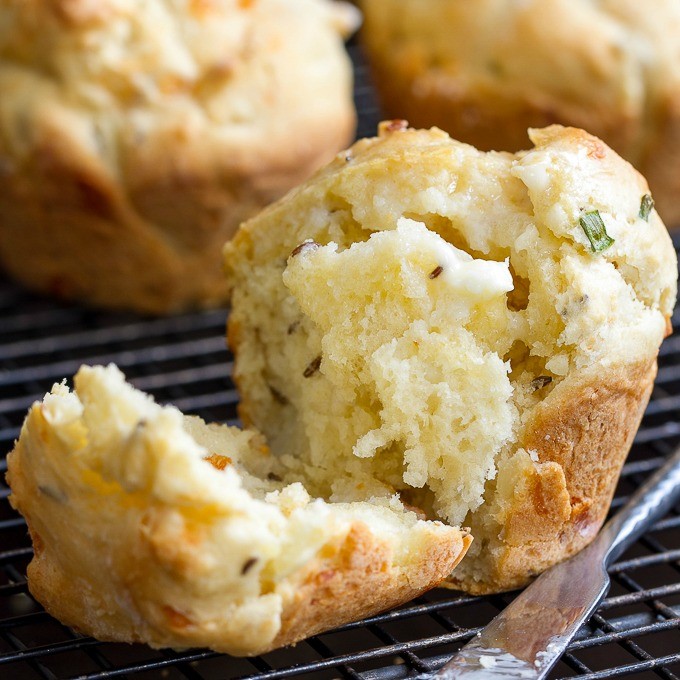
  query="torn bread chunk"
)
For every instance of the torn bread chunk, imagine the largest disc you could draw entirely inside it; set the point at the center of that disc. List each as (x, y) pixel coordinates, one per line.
(149, 526)
(429, 403)
(477, 331)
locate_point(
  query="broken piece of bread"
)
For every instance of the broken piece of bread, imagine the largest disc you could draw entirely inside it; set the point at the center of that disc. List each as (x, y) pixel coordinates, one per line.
(153, 527)
(477, 331)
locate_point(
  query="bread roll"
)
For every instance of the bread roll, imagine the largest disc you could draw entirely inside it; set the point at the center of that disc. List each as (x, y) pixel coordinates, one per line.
(152, 527)
(427, 337)
(475, 331)
(136, 135)
(487, 70)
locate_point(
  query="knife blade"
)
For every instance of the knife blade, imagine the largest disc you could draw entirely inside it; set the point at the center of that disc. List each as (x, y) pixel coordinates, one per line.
(530, 635)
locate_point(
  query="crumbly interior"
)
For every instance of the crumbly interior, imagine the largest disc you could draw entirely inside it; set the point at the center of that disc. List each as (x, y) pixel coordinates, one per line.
(406, 394)
(416, 305)
(175, 534)
(122, 441)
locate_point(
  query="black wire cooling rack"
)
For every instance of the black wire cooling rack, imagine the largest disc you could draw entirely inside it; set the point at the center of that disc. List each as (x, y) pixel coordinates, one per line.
(183, 360)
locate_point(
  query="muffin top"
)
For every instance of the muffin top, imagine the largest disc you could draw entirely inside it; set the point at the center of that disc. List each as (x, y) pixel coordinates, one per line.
(400, 317)
(118, 74)
(610, 56)
(128, 52)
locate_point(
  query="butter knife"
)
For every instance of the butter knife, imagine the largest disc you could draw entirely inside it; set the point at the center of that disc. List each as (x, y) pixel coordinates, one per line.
(530, 635)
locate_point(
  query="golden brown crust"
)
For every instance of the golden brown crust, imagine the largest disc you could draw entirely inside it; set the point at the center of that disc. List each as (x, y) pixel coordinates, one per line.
(359, 577)
(356, 583)
(68, 228)
(581, 435)
(488, 120)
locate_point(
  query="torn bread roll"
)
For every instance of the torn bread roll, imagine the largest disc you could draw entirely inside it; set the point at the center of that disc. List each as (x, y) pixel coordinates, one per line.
(135, 136)
(153, 527)
(487, 70)
(477, 331)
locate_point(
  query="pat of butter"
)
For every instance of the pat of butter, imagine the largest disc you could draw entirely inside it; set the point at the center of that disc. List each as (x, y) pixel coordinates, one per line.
(479, 279)
(533, 171)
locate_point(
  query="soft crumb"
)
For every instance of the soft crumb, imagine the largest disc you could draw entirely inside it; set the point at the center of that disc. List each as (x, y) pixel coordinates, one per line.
(453, 300)
(427, 358)
(218, 561)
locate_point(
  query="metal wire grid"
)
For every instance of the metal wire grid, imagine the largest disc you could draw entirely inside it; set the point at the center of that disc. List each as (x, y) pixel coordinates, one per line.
(183, 360)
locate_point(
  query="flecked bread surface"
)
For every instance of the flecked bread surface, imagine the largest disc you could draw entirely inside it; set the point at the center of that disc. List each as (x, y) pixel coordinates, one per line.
(476, 331)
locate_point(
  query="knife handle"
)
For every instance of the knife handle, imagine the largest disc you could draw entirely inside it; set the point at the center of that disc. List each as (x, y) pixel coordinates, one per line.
(652, 501)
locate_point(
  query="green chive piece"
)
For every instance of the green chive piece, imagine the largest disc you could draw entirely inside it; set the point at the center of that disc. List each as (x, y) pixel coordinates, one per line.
(592, 224)
(646, 207)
